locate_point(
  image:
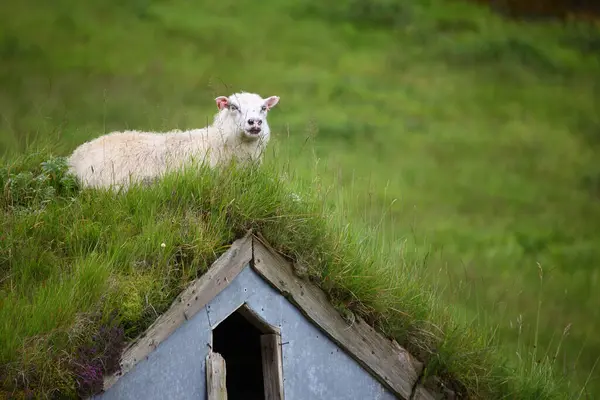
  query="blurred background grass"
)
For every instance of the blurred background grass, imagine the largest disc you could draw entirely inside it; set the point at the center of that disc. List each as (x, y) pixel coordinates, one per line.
(485, 130)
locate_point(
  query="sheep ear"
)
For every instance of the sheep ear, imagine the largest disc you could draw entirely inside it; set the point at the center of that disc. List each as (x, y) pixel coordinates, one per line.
(222, 102)
(272, 101)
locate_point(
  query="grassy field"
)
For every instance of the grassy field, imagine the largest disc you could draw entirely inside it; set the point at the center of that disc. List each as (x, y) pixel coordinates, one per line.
(469, 141)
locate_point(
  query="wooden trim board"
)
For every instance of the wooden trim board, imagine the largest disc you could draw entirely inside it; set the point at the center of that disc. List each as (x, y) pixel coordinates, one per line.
(422, 394)
(186, 305)
(272, 366)
(252, 317)
(393, 366)
(216, 377)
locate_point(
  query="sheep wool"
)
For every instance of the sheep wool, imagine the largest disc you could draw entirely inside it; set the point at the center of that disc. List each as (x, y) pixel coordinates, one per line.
(239, 131)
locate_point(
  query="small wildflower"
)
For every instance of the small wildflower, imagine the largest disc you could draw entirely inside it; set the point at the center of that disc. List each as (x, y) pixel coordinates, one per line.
(295, 197)
(163, 245)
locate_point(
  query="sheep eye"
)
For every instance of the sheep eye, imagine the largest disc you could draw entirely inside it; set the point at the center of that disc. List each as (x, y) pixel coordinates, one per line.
(233, 107)
(263, 108)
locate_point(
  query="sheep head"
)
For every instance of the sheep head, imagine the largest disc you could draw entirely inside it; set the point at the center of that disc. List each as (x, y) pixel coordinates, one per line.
(246, 113)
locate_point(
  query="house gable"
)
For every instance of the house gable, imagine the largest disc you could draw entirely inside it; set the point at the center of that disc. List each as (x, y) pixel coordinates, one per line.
(318, 346)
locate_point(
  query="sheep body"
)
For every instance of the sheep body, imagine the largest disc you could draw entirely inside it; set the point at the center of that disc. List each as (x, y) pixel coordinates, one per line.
(122, 158)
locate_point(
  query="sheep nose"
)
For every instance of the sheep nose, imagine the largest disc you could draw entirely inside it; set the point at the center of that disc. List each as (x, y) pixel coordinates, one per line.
(255, 121)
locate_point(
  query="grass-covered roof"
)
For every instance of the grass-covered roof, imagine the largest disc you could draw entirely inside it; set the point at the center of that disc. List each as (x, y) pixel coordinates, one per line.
(85, 271)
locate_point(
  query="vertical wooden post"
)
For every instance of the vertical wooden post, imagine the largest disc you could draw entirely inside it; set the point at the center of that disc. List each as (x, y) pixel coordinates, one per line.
(216, 377)
(270, 345)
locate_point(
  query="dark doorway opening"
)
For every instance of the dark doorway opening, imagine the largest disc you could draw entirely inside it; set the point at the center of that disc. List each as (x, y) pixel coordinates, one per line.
(238, 341)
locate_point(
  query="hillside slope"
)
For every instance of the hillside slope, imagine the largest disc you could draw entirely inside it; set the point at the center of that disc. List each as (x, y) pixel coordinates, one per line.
(467, 140)
(84, 272)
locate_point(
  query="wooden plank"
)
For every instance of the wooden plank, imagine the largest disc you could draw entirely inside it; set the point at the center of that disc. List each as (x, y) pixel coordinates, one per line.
(256, 321)
(392, 365)
(423, 394)
(216, 377)
(188, 303)
(272, 363)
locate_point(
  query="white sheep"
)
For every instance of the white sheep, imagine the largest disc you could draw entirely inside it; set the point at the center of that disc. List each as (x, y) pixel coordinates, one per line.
(239, 131)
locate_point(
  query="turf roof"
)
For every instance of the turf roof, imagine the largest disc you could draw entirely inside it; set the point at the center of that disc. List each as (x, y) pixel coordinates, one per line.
(82, 272)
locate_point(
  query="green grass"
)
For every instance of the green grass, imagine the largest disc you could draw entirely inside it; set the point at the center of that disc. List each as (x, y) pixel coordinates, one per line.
(467, 143)
(85, 271)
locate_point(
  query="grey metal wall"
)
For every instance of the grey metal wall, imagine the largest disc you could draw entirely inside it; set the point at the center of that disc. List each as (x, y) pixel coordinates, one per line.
(313, 366)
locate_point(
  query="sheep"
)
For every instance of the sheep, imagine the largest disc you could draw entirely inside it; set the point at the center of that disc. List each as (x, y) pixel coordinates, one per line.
(239, 131)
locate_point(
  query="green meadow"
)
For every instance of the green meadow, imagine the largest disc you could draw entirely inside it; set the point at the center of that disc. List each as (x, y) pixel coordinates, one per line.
(449, 160)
